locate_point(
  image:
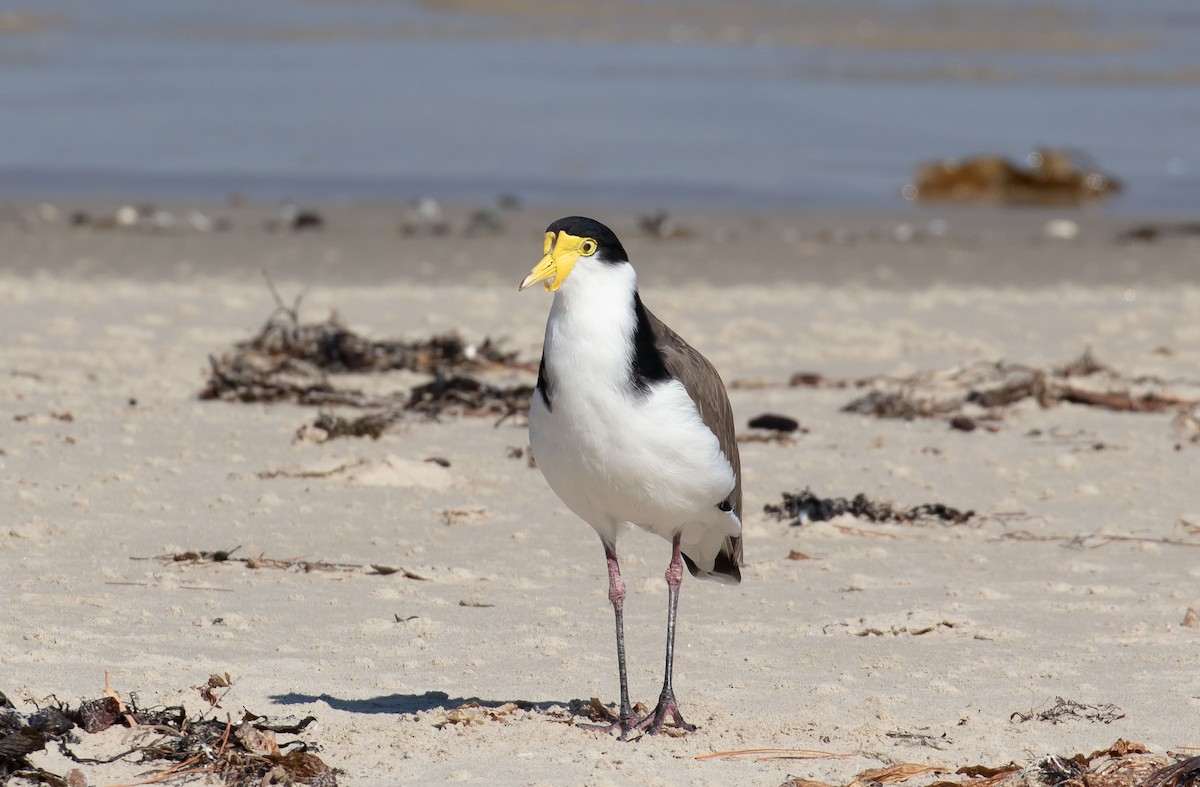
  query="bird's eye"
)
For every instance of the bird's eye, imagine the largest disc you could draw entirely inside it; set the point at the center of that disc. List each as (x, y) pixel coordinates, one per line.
(588, 247)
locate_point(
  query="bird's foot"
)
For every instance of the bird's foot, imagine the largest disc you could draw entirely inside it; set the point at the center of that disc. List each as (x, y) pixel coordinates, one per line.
(623, 726)
(623, 721)
(653, 723)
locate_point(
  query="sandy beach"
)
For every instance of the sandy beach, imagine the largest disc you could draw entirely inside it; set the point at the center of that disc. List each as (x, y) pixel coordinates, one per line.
(878, 642)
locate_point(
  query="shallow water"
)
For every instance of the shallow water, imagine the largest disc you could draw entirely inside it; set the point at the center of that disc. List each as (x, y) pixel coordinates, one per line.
(756, 105)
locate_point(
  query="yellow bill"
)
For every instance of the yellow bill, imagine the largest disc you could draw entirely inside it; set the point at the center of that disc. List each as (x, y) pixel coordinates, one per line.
(558, 258)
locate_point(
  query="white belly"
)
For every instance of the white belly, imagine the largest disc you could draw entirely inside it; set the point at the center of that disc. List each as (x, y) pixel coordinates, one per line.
(642, 458)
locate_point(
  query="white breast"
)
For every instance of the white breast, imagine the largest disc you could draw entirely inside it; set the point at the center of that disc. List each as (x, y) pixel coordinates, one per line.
(615, 454)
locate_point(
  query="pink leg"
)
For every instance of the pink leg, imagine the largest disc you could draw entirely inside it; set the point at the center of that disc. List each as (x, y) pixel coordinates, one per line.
(667, 705)
(616, 595)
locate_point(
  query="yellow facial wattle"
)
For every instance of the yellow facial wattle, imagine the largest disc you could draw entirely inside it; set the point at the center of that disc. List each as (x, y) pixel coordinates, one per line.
(559, 255)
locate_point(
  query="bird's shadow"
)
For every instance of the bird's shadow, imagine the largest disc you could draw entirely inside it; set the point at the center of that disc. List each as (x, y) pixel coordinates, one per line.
(402, 704)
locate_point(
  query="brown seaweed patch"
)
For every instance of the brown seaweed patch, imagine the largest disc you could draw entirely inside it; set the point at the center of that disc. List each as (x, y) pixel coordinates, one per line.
(331, 346)
(208, 692)
(897, 631)
(201, 557)
(1052, 178)
(370, 425)
(1123, 764)
(174, 743)
(463, 395)
(291, 361)
(1065, 710)
(990, 388)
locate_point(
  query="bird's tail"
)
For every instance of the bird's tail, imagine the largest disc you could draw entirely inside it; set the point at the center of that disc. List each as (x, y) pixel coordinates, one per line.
(726, 566)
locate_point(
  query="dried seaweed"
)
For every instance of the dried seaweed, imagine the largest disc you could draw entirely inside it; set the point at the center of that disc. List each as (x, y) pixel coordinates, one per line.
(237, 378)
(939, 742)
(995, 386)
(1065, 710)
(1180, 774)
(290, 361)
(370, 425)
(459, 395)
(1052, 178)
(818, 380)
(287, 564)
(896, 631)
(332, 347)
(1054, 770)
(806, 507)
(898, 404)
(1122, 764)
(208, 692)
(174, 743)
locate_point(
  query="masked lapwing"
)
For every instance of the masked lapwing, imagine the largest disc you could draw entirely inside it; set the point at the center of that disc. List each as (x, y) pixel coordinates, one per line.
(632, 426)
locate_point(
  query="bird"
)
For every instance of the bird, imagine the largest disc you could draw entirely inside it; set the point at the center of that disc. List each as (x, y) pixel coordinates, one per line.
(632, 426)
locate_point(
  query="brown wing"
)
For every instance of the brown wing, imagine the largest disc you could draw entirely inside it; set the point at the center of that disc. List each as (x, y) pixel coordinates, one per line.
(703, 384)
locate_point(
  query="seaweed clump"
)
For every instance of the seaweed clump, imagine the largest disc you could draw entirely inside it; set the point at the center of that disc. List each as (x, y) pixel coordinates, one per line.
(1052, 178)
(991, 388)
(173, 742)
(806, 507)
(291, 361)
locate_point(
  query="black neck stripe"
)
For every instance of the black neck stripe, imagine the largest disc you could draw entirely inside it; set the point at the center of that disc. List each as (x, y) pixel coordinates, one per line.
(544, 386)
(648, 365)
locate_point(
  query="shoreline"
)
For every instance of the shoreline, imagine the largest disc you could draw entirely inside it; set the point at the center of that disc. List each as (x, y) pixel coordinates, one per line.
(816, 195)
(913, 247)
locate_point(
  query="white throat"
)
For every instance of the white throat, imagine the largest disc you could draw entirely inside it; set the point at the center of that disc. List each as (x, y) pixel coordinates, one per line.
(589, 335)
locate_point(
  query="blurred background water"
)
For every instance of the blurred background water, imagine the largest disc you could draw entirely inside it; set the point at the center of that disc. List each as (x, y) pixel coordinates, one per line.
(750, 105)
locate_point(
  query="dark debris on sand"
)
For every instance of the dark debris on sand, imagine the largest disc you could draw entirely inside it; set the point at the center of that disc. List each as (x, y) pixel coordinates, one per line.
(1065, 710)
(206, 557)
(370, 425)
(1154, 231)
(334, 348)
(806, 507)
(989, 388)
(464, 395)
(1123, 764)
(173, 745)
(290, 361)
